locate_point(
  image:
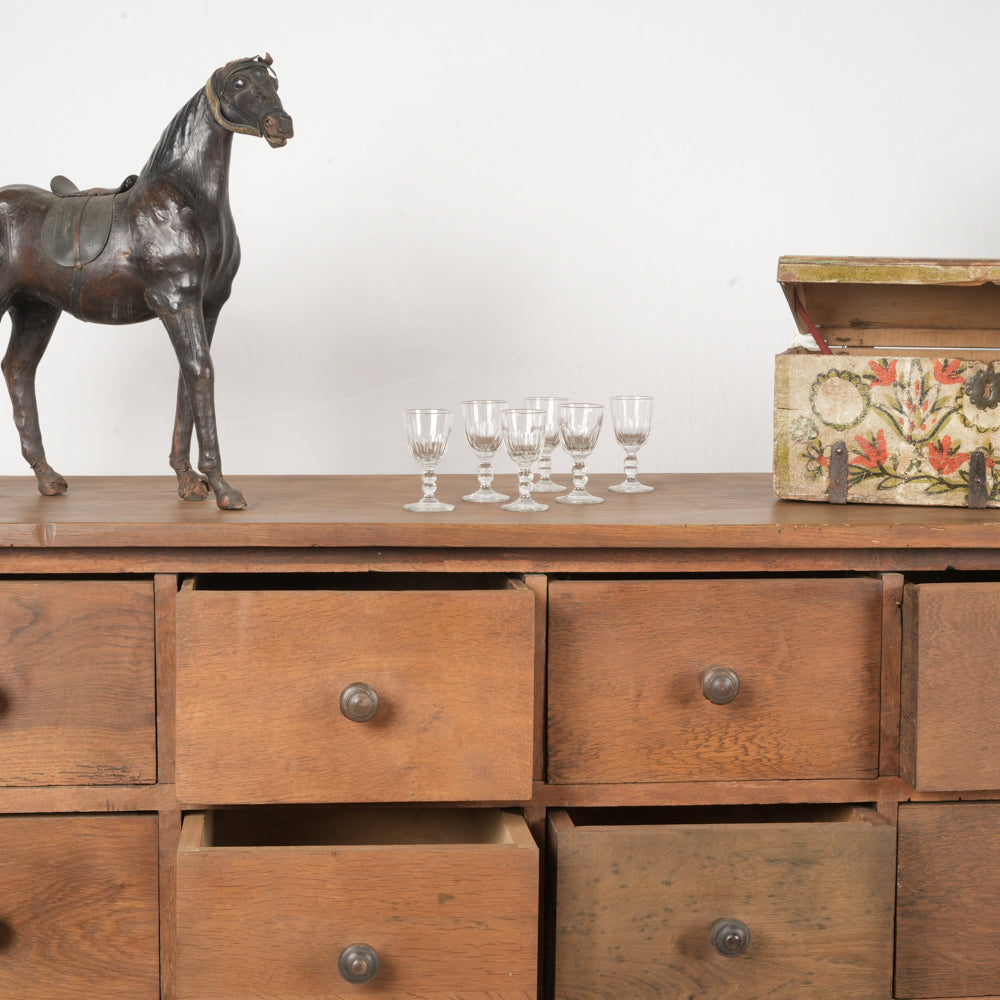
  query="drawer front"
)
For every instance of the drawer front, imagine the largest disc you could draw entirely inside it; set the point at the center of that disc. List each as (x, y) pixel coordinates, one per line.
(78, 907)
(946, 907)
(77, 683)
(777, 910)
(261, 676)
(949, 738)
(444, 920)
(631, 664)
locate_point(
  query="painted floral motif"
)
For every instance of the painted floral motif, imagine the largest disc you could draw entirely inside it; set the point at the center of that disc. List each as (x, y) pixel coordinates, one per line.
(946, 372)
(945, 458)
(915, 423)
(840, 399)
(874, 454)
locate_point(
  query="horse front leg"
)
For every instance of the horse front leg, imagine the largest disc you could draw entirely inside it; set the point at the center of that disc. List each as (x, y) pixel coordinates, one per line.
(31, 330)
(188, 333)
(190, 485)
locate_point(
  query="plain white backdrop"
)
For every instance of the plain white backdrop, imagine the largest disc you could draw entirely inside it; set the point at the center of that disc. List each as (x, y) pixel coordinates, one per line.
(505, 198)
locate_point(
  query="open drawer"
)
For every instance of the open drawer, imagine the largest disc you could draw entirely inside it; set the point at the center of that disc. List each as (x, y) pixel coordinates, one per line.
(713, 679)
(776, 902)
(348, 902)
(355, 688)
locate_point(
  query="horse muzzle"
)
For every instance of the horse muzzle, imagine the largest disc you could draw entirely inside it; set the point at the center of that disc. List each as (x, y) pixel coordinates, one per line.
(277, 128)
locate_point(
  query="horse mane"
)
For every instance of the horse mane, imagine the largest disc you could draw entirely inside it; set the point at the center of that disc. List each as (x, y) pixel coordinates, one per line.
(177, 136)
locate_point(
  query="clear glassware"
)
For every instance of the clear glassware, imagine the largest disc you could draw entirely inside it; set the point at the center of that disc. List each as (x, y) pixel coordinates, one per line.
(484, 432)
(550, 404)
(427, 433)
(632, 419)
(579, 428)
(523, 436)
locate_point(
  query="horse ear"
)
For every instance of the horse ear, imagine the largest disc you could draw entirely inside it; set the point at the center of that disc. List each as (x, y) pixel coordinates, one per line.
(267, 59)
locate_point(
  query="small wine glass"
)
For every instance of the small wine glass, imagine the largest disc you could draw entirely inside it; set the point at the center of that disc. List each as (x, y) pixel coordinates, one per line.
(427, 433)
(550, 404)
(484, 432)
(632, 419)
(579, 428)
(523, 436)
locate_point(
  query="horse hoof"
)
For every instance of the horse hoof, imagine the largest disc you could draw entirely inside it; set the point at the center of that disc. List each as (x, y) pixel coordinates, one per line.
(191, 486)
(232, 500)
(229, 498)
(50, 483)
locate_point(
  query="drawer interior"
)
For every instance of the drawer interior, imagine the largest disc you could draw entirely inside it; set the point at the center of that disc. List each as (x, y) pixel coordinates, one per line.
(307, 826)
(372, 581)
(729, 815)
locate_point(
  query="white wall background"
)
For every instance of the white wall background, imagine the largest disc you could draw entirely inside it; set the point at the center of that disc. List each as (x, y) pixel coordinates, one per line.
(505, 197)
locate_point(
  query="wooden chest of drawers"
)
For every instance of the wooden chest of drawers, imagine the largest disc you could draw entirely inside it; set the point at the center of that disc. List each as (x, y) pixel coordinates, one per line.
(692, 743)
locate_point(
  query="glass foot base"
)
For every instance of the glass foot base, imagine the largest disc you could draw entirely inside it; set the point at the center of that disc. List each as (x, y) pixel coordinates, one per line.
(579, 497)
(633, 486)
(526, 505)
(426, 506)
(486, 496)
(547, 486)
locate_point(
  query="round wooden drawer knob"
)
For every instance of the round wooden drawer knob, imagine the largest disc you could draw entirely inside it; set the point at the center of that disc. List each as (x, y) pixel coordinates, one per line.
(359, 703)
(358, 963)
(720, 685)
(730, 937)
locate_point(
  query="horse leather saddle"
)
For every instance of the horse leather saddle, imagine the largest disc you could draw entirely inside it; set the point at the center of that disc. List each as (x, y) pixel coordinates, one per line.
(78, 224)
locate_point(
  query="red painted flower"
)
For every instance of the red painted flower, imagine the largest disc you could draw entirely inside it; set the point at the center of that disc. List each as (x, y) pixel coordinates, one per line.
(944, 458)
(883, 375)
(876, 453)
(947, 374)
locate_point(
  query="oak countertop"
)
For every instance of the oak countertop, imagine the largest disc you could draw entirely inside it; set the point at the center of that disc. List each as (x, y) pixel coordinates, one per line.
(687, 511)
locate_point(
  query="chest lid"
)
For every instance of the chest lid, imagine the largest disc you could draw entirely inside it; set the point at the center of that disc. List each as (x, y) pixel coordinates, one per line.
(895, 305)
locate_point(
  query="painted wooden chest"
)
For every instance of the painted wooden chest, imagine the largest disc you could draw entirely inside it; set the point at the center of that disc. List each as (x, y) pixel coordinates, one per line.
(896, 398)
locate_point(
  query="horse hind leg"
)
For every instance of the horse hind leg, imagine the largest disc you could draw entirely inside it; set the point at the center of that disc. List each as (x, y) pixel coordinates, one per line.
(31, 329)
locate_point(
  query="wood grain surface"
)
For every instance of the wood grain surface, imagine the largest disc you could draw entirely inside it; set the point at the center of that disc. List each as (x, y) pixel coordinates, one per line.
(687, 511)
(78, 907)
(627, 659)
(449, 919)
(636, 906)
(77, 687)
(949, 871)
(260, 675)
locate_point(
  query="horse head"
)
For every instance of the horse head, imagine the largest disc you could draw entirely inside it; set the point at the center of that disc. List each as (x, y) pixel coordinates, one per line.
(244, 98)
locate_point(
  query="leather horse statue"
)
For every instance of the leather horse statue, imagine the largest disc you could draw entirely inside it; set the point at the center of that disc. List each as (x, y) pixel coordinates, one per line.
(163, 244)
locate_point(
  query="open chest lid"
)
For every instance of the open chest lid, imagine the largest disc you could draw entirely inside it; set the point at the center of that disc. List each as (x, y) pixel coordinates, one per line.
(895, 306)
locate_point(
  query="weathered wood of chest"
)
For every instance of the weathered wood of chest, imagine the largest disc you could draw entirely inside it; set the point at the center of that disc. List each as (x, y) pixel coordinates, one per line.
(692, 743)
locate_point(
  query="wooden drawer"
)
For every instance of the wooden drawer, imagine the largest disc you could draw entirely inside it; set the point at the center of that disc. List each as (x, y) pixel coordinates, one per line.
(261, 676)
(77, 682)
(946, 907)
(639, 907)
(630, 662)
(949, 738)
(78, 907)
(268, 901)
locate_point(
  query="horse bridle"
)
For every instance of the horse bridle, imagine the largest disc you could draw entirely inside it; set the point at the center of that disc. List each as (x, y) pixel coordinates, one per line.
(213, 97)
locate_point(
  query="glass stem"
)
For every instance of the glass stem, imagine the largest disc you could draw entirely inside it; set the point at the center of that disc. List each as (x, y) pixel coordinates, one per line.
(485, 474)
(524, 483)
(580, 477)
(631, 467)
(429, 481)
(545, 467)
